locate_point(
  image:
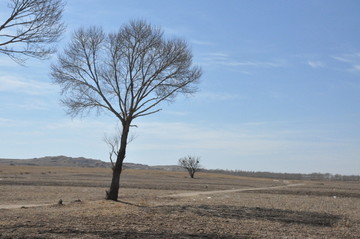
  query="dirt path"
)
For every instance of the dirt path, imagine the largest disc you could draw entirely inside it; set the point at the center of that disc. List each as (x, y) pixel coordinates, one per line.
(192, 194)
(16, 206)
(188, 194)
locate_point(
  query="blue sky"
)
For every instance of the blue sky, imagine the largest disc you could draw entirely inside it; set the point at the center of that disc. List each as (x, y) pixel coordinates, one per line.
(280, 90)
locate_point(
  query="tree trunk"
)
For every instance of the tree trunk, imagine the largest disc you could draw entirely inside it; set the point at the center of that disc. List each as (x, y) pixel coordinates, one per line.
(113, 193)
(191, 172)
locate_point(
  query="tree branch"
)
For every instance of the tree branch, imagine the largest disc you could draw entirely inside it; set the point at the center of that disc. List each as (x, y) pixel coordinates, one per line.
(31, 29)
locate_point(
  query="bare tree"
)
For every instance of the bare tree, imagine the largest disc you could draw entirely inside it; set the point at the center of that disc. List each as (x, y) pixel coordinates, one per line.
(114, 146)
(31, 28)
(113, 143)
(128, 73)
(191, 164)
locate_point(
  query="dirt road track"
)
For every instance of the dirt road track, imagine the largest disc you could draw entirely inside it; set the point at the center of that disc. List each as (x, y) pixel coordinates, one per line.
(188, 194)
(16, 206)
(192, 194)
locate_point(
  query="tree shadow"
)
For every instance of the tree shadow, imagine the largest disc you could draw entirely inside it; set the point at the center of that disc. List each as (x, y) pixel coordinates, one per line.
(257, 213)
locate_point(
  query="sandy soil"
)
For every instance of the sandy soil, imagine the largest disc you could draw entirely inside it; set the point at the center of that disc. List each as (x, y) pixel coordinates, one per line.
(149, 209)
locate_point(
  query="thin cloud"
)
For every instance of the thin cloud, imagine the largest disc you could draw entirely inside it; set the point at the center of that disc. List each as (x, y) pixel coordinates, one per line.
(201, 43)
(316, 64)
(11, 124)
(356, 67)
(342, 59)
(176, 113)
(78, 124)
(7, 62)
(218, 54)
(217, 96)
(239, 140)
(19, 85)
(4, 121)
(351, 60)
(223, 59)
(28, 104)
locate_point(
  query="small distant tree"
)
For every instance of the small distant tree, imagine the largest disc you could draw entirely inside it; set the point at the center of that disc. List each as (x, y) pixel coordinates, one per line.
(191, 164)
(30, 28)
(113, 143)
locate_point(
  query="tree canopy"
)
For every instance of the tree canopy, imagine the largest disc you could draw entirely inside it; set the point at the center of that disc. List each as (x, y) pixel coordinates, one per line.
(191, 164)
(128, 73)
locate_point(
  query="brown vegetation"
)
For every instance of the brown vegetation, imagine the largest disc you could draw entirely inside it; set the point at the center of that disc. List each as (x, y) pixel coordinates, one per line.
(145, 210)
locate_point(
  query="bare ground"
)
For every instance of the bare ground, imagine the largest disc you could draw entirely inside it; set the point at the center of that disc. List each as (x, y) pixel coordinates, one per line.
(149, 209)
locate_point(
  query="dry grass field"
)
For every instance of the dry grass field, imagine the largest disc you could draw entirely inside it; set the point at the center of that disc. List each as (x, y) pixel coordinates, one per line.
(153, 205)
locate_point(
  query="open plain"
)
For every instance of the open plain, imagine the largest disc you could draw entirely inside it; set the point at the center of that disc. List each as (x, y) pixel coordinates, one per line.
(165, 204)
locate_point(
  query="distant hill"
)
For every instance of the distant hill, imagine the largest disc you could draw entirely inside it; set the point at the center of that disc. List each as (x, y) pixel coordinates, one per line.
(167, 167)
(64, 161)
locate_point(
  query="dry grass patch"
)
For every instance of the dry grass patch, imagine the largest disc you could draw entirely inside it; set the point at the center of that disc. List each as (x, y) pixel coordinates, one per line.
(144, 211)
